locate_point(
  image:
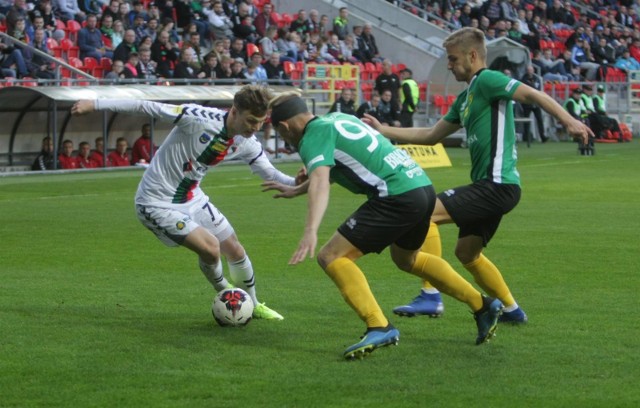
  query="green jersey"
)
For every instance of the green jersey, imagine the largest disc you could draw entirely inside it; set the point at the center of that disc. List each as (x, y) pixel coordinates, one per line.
(361, 159)
(485, 110)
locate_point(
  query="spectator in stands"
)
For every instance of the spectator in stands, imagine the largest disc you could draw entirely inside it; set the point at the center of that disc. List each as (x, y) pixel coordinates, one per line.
(324, 27)
(626, 62)
(409, 97)
(287, 44)
(340, 23)
(66, 160)
(534, 81)
(369, 107)
(550, 69)
(260, 74)
(146, 67)
(139, 27)
(238, 49)
(361, 49)
(38, 66)
(19, 33)
(243, 24)
(208, 69)
(344, 103)
(186, 67)
(301, 24)
(106, 30)
(11, 57)
(223, 70)
(151, 30)
(142, 152)
(219, 23)
(19, 11)
(84, 157)
(238, 71)
(581, 57)
(465, 15)
(312, 50)
(370, 41)
(492, 11)
(120, 156)
(44, 160)
(623, 17)
(603, 53)
(68, 10)
(131, 66)
(561, 15)
(123, 14)
(112, 10)
(127, 46)
(45, 10)
(165, 54)
(264, 20)
(230, 7)
(275, 70)
(169, 26)
(90, 41)
(347, 49)
(117, 36)
(314, 21)
(98, 153)
(116, 72)
(388, 80)
(194, 42)
(388, 110)
(268, 42)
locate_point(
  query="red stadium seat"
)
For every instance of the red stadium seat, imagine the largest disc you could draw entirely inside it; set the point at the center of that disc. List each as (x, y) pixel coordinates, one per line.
(72, 30)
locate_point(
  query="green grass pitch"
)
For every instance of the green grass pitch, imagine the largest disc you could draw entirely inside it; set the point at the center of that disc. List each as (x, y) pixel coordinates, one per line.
(96, 312)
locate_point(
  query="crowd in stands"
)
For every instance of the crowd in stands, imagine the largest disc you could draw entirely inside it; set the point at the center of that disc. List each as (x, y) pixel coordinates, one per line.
(570, 40)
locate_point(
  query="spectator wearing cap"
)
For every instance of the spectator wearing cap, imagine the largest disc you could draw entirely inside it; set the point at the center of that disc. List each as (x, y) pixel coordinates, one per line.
(602, 121)
(573, 105)
(581, 57)
(409, 97)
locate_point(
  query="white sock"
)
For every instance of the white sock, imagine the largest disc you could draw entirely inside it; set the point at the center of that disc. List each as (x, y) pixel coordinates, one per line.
(214, 274)
(510, 308)
(242, 276)
(430, 291)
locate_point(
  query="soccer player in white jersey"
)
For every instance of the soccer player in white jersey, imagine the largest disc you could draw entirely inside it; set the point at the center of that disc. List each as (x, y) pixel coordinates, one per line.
(169, 200)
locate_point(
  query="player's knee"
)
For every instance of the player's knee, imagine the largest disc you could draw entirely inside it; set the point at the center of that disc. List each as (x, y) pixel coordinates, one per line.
(325, 258)
(403, 262)
(465, 256)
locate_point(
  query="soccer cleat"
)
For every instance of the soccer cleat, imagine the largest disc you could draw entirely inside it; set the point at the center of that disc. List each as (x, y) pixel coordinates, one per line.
(517, 316)
(261, 311)
(373, 338)
(487, 319)
(426, 304)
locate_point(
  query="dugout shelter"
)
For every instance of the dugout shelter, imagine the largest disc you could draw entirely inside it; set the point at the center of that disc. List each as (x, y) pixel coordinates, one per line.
(30, 113)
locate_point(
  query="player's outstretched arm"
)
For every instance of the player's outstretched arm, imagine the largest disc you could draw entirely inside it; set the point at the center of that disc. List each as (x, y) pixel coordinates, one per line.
(423, 136)
(318, 192)
(286, 191)
(529, 96)
(162, 111)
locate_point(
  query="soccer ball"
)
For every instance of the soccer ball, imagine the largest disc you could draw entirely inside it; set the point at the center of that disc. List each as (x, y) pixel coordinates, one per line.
(232, 307)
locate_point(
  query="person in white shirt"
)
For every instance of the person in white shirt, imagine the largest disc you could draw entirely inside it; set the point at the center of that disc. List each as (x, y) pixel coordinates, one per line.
(169, 200)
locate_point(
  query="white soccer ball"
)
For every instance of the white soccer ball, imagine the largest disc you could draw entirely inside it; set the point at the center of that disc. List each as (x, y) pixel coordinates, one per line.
(232, 307)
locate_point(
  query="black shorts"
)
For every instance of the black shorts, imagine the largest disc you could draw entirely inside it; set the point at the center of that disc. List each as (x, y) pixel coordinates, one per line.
(477, 209)
(381, 221)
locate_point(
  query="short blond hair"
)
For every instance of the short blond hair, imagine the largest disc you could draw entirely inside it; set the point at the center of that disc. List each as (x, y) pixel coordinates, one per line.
(467, 38)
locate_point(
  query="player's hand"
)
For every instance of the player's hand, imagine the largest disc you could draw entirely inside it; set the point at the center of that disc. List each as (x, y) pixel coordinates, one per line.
(83, 107)
(285, 191)
(579, 130)
(306, 246)
(301, 176)
(371, 121)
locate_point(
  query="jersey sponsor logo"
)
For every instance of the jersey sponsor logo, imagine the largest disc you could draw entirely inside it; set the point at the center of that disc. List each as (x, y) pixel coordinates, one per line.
(510, 85)
(397, 158)
(204, 138)
(315, 160)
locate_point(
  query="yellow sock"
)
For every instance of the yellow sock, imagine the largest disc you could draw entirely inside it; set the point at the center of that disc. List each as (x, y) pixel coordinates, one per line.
(432, 245)
(489, 278)
(445, 279)
(356, 292)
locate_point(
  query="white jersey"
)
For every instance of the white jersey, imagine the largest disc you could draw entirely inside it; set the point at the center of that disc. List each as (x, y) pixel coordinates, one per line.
(198, 142)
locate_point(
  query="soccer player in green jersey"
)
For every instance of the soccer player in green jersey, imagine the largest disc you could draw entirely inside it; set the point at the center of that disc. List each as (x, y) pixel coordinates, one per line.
(485, 110)
(339, 147)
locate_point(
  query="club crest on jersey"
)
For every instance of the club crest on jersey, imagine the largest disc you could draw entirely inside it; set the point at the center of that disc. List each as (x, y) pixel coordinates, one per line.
(180, 225)
(204, 138)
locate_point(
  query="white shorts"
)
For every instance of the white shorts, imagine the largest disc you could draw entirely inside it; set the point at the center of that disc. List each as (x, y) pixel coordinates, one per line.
(172, 225)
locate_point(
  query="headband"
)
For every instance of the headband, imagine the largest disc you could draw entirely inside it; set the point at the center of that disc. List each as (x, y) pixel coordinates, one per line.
(288, 109)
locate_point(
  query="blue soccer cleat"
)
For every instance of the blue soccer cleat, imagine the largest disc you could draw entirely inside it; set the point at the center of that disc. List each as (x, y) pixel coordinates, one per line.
(517, 316)
(487, 319)
(425, 304)
(373, 338)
